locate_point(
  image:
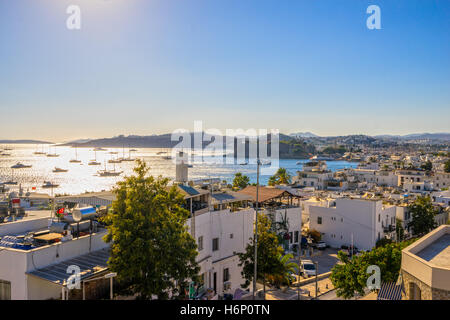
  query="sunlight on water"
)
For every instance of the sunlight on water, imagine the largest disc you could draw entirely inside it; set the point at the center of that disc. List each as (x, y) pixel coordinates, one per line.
(82, 177)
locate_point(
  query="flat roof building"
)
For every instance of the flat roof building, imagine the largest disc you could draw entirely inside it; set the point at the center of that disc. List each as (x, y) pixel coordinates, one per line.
(426, 266)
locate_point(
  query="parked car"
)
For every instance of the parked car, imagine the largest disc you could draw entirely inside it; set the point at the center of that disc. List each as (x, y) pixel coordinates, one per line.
(308, 268)
(321, 245)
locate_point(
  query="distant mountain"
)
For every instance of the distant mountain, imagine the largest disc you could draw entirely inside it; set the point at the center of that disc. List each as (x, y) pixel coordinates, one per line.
(78, 141)
(418, 136)
(304, 135)
(24, 142)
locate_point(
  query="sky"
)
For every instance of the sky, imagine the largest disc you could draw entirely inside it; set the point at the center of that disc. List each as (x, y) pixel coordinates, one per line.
(153, 66)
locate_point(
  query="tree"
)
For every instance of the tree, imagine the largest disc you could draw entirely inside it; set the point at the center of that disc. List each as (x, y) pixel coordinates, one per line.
(428, 166)
(422, 216)
(382, 242)
(151, 249)
(447, 166)
(285, 276)
(268, 262)
(399, 230)
(240, 181)
(350, 276)
(315, 235)
(280, 177)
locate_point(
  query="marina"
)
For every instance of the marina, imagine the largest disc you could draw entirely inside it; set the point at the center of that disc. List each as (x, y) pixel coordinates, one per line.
(84, 174)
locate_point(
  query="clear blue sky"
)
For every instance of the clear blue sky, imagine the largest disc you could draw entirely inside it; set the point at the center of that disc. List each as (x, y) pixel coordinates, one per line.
(152, 66)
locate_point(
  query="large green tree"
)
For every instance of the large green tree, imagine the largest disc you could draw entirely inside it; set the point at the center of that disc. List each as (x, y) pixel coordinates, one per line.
(349, 277)
(269, 251)
(428, 166)
(151, 249)
(280, 177)
(240, 181)
(422, 216)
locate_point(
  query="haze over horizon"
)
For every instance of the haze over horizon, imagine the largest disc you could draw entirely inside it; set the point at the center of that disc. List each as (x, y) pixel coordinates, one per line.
(150, 67)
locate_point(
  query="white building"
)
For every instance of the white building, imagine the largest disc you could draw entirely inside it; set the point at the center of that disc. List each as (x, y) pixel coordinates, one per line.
(359, 221)
(38, 272)
(314, 174)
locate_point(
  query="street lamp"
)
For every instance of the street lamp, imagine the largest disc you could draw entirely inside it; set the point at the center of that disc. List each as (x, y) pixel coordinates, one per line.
(258, 163)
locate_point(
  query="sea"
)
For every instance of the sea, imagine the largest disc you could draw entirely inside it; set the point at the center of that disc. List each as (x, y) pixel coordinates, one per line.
(82, 177)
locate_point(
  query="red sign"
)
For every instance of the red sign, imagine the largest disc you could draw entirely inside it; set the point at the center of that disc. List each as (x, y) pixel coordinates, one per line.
(15, 202)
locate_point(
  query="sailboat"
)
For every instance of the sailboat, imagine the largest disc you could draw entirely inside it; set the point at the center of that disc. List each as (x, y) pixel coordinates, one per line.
(52, 155)
(116, 160)
(76, 157)
(129, 156)
(94, 162)
(109, 173)
(56, 170)
(37, 152)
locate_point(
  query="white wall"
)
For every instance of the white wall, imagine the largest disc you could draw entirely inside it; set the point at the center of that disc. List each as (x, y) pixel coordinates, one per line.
(350, 217)
(14, 264)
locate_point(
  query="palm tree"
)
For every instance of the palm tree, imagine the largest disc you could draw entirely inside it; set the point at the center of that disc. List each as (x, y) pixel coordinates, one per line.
(285, 274)
(280, 177)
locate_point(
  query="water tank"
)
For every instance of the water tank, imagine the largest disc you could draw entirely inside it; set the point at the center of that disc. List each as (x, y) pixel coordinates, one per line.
(83, 226)
(58, 227)
(85, 213)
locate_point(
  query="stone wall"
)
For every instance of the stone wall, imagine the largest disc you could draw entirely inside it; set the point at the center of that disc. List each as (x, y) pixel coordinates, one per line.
(427, 293)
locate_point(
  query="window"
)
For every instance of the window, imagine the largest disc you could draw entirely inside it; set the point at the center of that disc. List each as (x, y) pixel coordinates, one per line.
(290, 237)
(200, 243)
(319, 220)
(231, 236)
(215, 244)
(342, 219)
(5, 290)
(296, 236)
(414, 292)
(379, 217)
(226, 274)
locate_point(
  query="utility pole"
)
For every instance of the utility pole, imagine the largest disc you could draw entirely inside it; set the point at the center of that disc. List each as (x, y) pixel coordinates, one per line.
(256, 229)
(317, 271)
(299, 266)
(352, 245)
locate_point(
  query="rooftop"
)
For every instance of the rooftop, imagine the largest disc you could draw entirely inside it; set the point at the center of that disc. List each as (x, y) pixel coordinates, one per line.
(438, 252)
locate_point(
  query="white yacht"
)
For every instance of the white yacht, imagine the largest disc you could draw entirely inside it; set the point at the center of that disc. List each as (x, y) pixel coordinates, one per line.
(19, 165)
(59, 170)
(48, 184)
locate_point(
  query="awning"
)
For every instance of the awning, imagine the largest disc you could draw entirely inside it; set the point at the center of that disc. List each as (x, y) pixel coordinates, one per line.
(390, 291)
(90, 264)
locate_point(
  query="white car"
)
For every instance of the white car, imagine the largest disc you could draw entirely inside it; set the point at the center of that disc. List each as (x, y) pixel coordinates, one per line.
(308, 268)
(321, 245)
